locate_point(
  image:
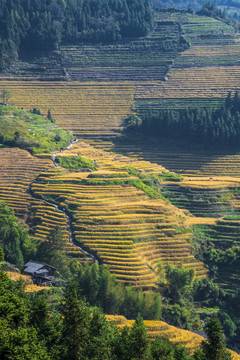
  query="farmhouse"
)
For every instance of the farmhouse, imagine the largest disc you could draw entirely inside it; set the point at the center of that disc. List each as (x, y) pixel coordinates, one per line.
(40, 273)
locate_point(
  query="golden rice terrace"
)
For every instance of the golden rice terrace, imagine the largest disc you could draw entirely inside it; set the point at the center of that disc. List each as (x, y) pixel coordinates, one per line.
(116, 220)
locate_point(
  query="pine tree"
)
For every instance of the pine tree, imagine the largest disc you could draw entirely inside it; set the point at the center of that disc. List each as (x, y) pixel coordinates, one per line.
(162, 349)
(228, 100)
(101, 338)
(56, 239)
(215, 346)
(11, 234)
(236, 101)
(49, 116)
(76, 321)
(139, 339)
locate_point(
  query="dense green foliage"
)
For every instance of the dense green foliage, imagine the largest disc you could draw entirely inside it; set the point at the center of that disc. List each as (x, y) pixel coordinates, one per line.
(215, 347)
(18, 339)
(14, 239)
(30, 131)
(74, 331)
(44, 24)
(179, 281)
(208, 126)
(209, 9)
(101, 289)
(153, 179)
(75, 163)
(30, 330)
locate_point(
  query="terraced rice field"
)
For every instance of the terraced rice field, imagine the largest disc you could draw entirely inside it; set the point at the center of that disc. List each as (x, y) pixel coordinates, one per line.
(47, 67)
(200, 29)
(137, 60)
(202, 75)
(205, 192)
(198, 56)
(118, 222)
(96, 108)
(204, 200)
(224, 232)
(47, 218)
(191, 164)
(191, 83)
(18, 170)
(209, 190)
(87, 109)
(160, 329)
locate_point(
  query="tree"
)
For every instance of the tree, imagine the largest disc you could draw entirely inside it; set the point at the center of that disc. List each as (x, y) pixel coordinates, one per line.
(180, 353)
(20, 343)
(49, 116)
(76, 321)
(139, 339)
(1, 254)
(228, 100)
(123, 345)
(11, 235)
(162, 349)
(215, 346)
(179, 281)
(236, 101)
(18, 340)
(56, 239)
(5, 95)
(47, 326)
(207, 292)
(101, 337)
(132, 123)
(228, 325)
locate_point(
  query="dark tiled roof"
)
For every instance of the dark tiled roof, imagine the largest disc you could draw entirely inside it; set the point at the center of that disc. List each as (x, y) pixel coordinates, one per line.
(33, 266)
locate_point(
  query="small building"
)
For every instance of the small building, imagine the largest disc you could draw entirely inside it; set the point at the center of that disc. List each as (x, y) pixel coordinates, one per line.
(40, 273)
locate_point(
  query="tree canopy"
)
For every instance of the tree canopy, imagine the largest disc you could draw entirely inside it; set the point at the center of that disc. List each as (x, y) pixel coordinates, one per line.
(14, 239)
(45, 24)
(209, 126)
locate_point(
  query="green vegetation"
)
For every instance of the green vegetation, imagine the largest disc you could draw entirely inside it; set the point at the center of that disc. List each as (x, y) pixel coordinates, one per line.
(101, 289)
(178, 282)
(75, 163)
(149, 191)
(29, 329)
(145, 58)
(203, 202)
(215, 347)
(14, 239)
(30, 131)
(211, 127)
(108, 176)
(46, 24)
(165, 175)
(5, 95)
(144, 183)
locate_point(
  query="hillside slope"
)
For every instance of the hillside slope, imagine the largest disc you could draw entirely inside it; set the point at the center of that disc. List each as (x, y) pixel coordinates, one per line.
(114, 219)
(156, 329)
